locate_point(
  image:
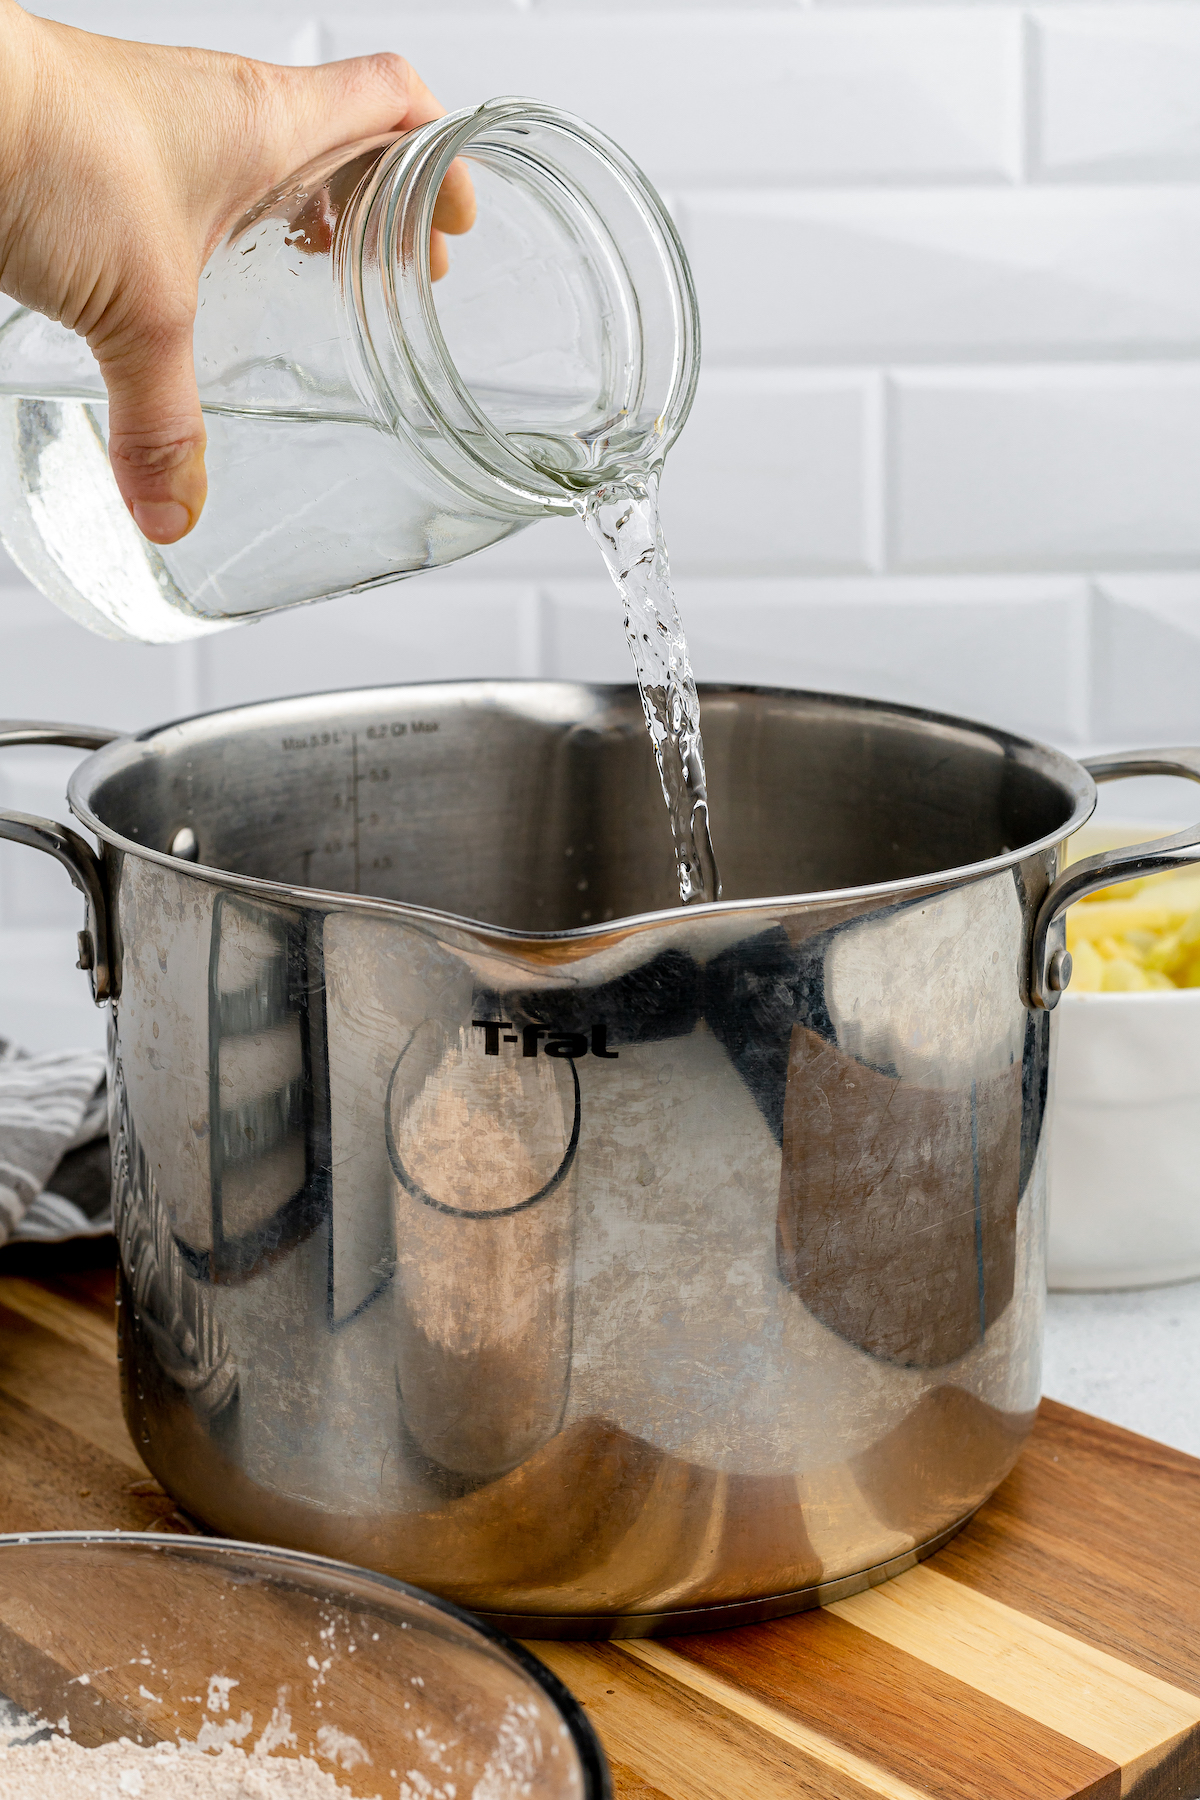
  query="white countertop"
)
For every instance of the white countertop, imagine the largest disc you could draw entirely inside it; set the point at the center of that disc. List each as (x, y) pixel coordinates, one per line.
(1131, 1357)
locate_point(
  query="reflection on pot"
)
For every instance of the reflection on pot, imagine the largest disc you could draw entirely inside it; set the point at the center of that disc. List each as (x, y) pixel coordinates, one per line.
(268, 1151)
(898, 1203)
(171, 1308)
(481, 1148)
(902, 1132)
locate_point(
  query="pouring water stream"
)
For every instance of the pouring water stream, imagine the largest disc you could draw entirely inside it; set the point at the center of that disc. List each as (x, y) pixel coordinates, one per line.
(622, 517)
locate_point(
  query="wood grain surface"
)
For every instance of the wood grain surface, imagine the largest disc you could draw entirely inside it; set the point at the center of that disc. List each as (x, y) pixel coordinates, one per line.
(1052, 1650)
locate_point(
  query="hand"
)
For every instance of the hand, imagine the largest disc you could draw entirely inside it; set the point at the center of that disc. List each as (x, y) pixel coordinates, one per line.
(121, 167)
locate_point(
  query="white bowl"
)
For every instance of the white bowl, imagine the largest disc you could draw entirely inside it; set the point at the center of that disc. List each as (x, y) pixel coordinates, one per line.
(1125, 1141)
(1125, 1137)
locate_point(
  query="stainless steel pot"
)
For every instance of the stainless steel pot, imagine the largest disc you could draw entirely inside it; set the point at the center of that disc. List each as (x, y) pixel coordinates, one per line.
(604, 1266)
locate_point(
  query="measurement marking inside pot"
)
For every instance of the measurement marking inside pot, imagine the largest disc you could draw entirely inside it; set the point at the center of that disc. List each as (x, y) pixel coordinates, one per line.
(354, 808)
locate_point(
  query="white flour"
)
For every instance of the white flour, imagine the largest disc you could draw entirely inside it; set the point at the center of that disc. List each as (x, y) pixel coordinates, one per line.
(56, 1769)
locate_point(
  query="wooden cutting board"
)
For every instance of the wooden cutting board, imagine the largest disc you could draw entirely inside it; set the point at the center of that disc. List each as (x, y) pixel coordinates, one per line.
(1051, 1650)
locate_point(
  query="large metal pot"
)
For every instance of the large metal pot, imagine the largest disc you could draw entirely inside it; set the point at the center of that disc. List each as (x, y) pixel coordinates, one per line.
(606, 1266)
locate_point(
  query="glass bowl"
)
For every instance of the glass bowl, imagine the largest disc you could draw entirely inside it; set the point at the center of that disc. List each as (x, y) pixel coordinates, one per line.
(204, 1642)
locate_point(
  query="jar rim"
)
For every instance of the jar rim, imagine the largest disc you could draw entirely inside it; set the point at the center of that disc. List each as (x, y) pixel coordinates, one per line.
(409, 181)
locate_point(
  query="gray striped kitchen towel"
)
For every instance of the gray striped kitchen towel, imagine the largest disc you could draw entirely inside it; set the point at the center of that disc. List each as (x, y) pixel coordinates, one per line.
(52, 1105)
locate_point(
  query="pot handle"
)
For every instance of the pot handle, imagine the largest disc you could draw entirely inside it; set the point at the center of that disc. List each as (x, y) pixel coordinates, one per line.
(72, 851)
(1051, 968)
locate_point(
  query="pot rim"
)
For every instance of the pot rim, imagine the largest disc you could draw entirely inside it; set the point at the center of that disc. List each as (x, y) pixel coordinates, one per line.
(1054, 764)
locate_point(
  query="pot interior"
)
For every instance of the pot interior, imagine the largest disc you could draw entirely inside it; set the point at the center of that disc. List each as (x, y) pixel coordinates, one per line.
(536, 805)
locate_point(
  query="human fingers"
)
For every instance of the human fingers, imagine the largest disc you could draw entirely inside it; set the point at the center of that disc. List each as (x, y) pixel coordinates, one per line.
(455, 208)
(156, 429)
(366, 95)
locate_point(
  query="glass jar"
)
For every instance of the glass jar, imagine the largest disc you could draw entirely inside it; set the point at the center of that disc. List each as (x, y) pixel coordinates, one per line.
(362, 423)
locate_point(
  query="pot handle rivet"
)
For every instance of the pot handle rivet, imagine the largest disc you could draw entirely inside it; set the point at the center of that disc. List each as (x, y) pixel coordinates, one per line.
(1059, 972)
(185, 845)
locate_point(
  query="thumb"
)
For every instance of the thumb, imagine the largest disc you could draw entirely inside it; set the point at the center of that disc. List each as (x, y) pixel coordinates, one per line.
(156, 432)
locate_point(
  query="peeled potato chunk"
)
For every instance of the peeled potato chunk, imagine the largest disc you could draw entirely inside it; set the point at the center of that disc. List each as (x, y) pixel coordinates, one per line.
(1140, 936)
(1087, 967)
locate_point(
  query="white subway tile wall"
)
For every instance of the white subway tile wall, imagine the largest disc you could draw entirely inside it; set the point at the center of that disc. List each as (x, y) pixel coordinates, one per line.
(947, 441)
